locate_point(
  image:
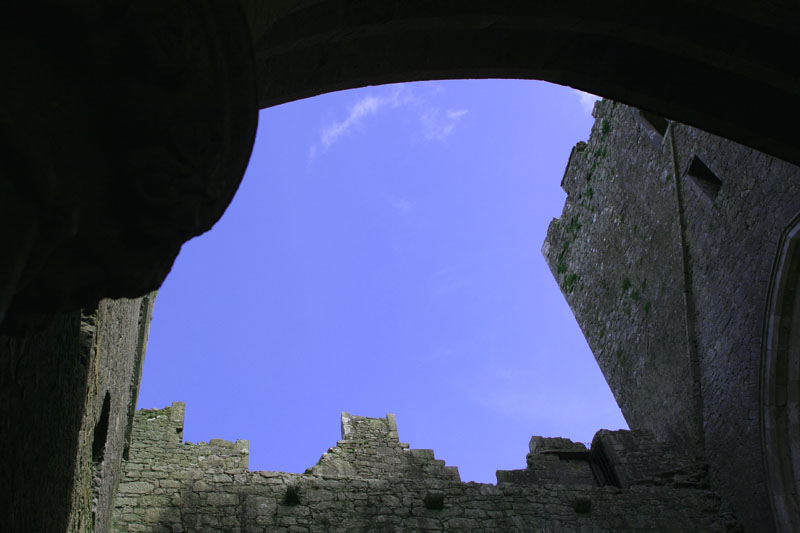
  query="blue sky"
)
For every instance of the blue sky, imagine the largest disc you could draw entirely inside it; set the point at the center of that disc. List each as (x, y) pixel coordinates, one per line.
(383, 255)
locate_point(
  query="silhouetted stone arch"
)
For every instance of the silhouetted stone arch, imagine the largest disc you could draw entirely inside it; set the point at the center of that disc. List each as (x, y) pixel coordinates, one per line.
(712, 65)
(780, 383)
(128, 125)
(125, 130)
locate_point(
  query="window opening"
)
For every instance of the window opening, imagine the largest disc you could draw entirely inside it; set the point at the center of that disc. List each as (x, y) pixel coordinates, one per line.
(98, 452)
(704, 178)
(654, 125)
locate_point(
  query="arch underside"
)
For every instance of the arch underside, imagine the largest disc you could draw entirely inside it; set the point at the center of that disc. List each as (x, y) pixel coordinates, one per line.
(184, 85)
(780, 384)
(717, 70)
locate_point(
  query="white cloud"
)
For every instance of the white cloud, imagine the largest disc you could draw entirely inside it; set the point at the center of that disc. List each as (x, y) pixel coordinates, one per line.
(366, 106)
(437, 125)
(399, 96)
(435, 87)
(402, 95)
(587, 101)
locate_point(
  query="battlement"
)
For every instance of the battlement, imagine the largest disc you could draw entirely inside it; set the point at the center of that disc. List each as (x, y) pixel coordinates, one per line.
(354, 427)
(370, 448)
(158, 442)
(161, 424)
(619, 458)
(370, 480)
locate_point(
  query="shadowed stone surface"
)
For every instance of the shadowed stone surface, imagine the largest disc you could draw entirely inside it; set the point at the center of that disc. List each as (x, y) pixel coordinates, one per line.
(67, 400)
(665, 252)
(126, 129)
(696, 61)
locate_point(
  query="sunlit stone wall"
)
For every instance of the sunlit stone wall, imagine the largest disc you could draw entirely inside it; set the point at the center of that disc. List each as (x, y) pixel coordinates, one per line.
(370, 481)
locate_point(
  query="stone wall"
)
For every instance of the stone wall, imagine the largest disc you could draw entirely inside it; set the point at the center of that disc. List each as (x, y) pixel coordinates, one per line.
(67, 401)
(370, 448)
(370, 481)
(664, 251)
(117, 331)
(616, 253)
(732, 246)
(617, 458)
(553, 460)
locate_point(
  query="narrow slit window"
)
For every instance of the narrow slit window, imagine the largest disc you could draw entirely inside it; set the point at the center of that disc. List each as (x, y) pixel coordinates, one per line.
(98, 453)
(704, 178)
(655, 126)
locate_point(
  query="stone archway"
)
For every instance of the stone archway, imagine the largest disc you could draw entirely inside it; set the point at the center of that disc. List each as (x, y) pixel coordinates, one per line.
(708, 64)
(780, 383)
(127, 125)
(130, 124)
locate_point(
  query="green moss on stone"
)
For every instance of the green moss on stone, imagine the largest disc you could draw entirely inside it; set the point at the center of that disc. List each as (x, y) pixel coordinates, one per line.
(570, 281)
(574, 225)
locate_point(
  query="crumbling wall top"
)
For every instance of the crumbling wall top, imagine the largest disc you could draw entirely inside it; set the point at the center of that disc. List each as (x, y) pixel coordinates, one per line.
(371, 448)
(354, 426)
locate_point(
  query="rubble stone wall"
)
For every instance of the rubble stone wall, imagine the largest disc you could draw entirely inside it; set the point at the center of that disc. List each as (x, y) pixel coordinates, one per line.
(67, 400)
(370, 481)
(115, 335)
(615, 252)
(664, 251)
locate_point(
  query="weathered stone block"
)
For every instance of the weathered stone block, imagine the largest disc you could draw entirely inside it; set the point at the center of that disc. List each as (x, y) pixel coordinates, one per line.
(136, 487)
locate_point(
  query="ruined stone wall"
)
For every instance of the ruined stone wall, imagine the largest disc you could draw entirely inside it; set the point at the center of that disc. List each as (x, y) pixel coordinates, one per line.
(41, 403)
(118, 332)
(664, 252)
(67, 401)
(370, 481)
(370, 448)
(615, 252)
(553, 460)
